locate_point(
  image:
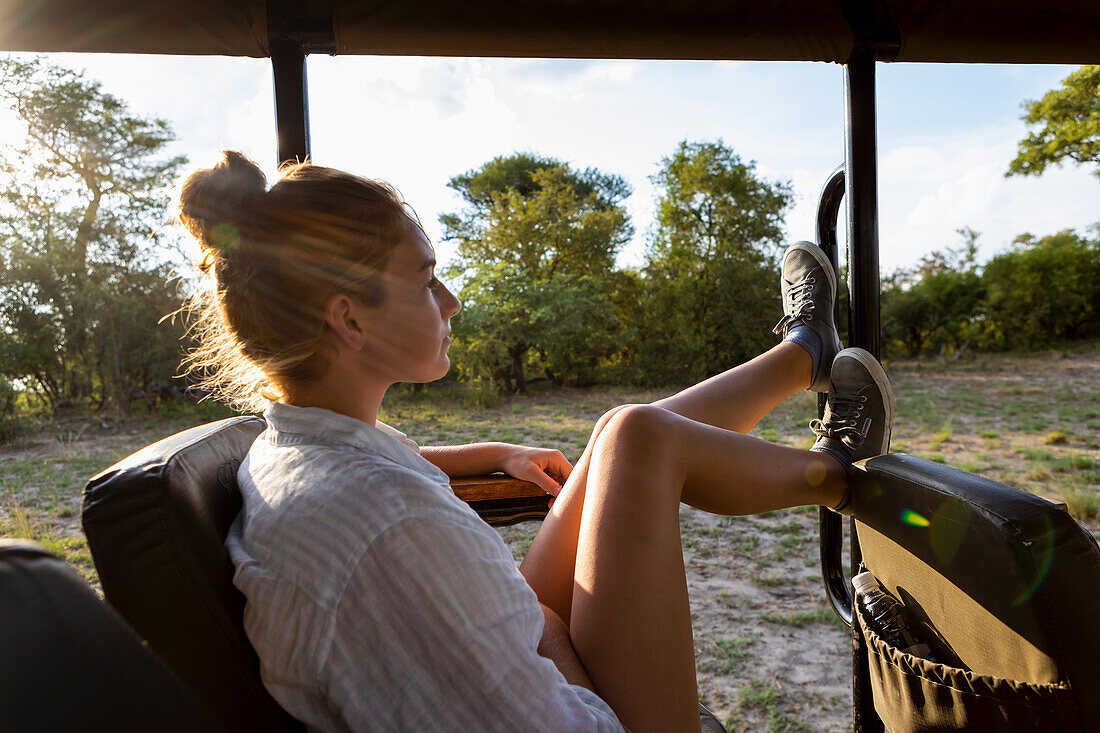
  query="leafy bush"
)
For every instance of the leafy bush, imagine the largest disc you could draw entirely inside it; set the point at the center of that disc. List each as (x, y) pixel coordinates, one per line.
(941, 311)
(12, 424)
(709, 291)
(1043, 291)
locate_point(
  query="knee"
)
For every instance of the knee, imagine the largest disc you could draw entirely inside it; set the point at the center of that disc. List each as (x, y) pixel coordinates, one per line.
(605, 418)
(638, 425)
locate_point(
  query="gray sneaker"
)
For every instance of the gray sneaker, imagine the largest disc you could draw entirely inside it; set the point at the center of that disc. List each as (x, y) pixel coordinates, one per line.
(860, 411)
(809, 293)
(859, 414)
(708, 721)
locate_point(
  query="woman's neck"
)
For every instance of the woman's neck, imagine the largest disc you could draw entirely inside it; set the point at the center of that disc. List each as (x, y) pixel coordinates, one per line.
(342, 391)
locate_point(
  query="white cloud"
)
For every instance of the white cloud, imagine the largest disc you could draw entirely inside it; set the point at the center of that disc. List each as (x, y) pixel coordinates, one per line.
(929, 191)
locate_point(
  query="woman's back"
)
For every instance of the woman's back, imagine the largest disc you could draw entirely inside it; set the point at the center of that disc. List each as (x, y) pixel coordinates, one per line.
(377, 600)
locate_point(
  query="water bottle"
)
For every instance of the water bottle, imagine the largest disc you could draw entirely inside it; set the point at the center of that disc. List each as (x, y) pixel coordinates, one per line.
(886, 617)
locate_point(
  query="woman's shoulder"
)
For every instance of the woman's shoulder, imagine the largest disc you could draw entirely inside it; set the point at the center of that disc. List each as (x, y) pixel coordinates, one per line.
(345, 484)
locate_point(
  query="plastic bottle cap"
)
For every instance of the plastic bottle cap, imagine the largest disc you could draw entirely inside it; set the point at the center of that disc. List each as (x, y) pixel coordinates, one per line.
(864, 582)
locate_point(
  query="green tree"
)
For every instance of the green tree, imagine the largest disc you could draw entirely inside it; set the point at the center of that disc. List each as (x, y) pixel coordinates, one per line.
(941, 311)
(710, 273)
(936, 305)
(1043, 291)
(1069, 126)
(82, 201)
(536, 249)
(516, 173)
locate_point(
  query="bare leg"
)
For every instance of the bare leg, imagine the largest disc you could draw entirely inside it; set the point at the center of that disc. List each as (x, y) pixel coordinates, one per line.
(737, 398)
(549, 563)
(630, 622)
(734, 400)
(608, 560)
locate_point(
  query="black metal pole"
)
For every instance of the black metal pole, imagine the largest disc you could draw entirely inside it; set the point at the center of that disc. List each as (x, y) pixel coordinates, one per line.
(288, 65)
(861, 189)
(861, 192)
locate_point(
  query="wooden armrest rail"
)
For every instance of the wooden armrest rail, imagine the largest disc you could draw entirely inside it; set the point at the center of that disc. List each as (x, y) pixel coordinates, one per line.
(502, 500)
(495, 486)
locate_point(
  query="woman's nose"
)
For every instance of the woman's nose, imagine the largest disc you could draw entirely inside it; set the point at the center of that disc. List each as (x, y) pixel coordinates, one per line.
(449, 305)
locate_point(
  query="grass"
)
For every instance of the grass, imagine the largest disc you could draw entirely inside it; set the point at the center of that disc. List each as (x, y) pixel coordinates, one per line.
(799, 619)
(765, 699)
(763, 581)
(21, 523)
(1055, 437)
(788, 545)
(731, 653)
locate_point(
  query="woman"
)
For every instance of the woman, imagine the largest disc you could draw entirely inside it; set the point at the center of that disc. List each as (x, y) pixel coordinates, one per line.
(379, 601)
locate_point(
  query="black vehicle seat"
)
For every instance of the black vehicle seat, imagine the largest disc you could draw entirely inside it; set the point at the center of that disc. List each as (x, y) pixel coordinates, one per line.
(1003, 585)
(71, 664)
(155, 524)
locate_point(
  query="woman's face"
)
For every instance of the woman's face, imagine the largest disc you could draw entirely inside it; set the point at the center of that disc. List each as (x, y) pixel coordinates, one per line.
(409, 333)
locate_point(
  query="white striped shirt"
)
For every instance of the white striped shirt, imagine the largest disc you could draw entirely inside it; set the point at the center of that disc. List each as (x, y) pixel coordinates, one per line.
(378, 600)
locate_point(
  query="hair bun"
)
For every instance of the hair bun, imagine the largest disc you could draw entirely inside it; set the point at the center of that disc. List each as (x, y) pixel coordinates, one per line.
(216, 204)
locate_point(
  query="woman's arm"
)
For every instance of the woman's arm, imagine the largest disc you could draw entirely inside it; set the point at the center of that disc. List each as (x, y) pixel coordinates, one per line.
(542, 466)
(556, 646)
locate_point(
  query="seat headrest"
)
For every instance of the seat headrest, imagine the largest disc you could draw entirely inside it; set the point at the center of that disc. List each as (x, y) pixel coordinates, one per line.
(156, 523)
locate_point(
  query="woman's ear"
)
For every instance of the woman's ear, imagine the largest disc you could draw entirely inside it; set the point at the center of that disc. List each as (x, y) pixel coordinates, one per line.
(344, 317)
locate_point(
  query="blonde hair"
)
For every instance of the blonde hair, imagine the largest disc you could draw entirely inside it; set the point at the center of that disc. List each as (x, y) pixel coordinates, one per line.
(270, 261)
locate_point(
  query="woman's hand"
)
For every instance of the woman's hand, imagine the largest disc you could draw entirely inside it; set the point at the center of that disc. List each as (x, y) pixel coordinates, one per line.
(543, 467)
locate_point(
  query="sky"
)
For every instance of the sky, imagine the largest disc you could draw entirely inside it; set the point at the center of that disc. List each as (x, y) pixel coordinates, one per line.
(946, 133)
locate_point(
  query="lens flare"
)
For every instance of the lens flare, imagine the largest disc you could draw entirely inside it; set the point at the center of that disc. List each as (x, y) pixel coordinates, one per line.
(950, 527)
(225, 237)
(815, 473)
(913, 518)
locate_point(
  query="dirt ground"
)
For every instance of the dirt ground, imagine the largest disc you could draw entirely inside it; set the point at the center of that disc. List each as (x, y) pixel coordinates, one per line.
(770, 653)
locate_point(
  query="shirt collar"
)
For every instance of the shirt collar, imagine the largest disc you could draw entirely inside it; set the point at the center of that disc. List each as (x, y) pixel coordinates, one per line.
(290, 425)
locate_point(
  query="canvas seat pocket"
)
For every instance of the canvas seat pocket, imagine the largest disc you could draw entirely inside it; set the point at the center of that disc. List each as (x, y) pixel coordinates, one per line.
(913, 694)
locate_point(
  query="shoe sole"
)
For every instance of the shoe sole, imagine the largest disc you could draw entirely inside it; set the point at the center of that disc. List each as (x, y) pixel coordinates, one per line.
(818, 254)
(878, 374)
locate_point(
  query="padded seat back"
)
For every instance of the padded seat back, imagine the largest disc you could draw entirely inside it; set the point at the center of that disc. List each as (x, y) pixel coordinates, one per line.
(1000, 583)
(70, 663)
(156, 523)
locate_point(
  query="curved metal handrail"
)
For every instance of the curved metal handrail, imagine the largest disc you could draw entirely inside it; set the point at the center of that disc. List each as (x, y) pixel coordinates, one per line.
(830, 528)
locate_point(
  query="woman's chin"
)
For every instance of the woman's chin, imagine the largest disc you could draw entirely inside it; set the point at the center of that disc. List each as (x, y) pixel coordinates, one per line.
(438, 372)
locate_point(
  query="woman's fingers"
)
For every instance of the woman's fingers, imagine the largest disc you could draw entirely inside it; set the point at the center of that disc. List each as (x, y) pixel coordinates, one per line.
(536, 474)
(562, 467)
(546, 468)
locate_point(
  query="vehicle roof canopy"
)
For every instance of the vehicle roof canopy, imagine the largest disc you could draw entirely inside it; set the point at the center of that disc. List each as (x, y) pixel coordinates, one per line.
(1005, 31)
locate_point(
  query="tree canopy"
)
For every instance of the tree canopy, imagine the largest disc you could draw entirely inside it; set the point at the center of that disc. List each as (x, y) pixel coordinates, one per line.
(1039, 292)
(710, 276)
(1068, 121)
(536, 246)
(82, 202)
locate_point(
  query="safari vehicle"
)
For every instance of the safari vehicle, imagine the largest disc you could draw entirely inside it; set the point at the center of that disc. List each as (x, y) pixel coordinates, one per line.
(1003, 585)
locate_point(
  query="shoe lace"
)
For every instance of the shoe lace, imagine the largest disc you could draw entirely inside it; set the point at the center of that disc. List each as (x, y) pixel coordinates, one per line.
(841, 419)
(799, 305)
